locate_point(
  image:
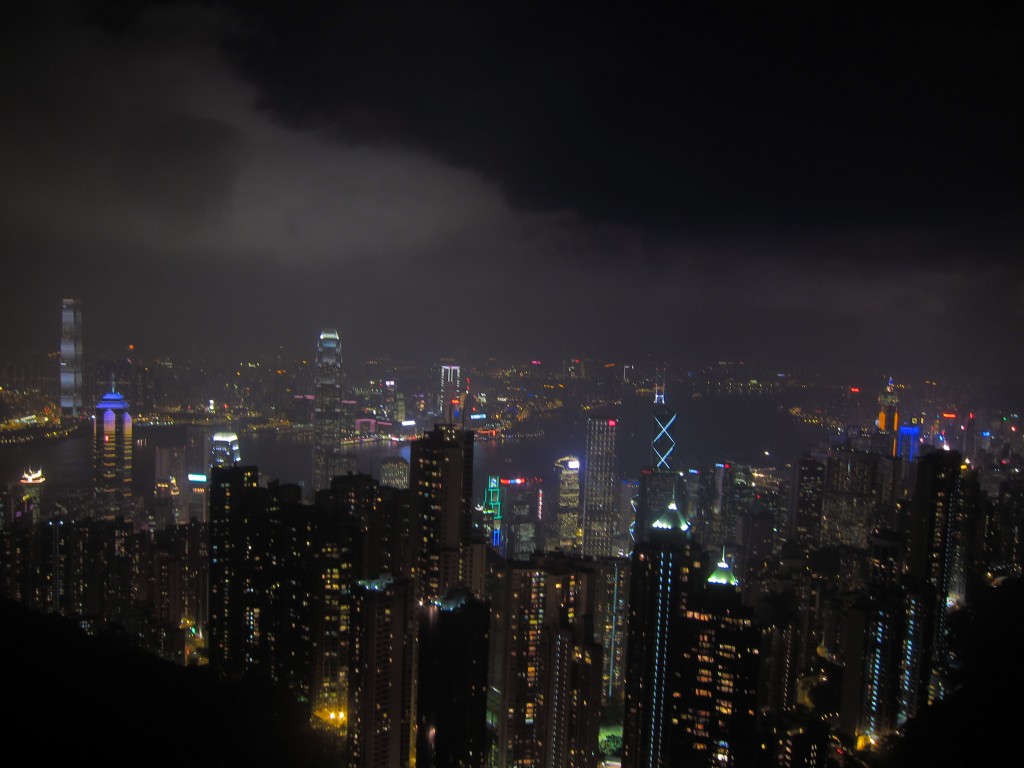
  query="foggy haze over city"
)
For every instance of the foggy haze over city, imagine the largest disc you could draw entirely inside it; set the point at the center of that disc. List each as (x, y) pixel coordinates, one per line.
(834, 187)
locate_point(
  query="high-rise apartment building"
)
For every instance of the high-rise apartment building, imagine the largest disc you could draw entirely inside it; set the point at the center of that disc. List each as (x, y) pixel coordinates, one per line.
(441, 483)
(71, 373)
(381, 709)
(329, 426)
(600, 488)
(112, 456)
(545, 681)
(451, 711)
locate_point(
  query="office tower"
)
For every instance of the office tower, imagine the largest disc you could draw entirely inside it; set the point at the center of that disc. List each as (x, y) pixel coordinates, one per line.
(663, 442)
(665, 566)
(449, 396)
(451, 710)
(718, 675)
(544, 700)
(658, 489)
(569, 530)
(888, 422)
(522, 502)
(112, 456)
(71, 372)
(851, 498)
(732, 498)
(381, 711)
(224, 450)
(808, 494)
(394, 472)
(328, 410)
(441, 482)
(599, 487)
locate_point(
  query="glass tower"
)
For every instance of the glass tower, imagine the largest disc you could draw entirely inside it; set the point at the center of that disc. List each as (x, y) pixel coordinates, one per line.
(328, 410)
(71, 358)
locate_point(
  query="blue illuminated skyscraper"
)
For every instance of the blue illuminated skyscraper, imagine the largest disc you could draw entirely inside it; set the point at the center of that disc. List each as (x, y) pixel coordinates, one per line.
(112, 455)
(663, 442)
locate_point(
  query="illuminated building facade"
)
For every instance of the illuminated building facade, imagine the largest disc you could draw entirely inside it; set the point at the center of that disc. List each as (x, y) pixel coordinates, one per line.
(600, 488)
(544, 704)
(380, 710)
(718, 675)
(394, 472)
(665, 566)
(29, 508)
(663, 442)
(569, 532)
(224, 451)
(449, 398)
(112, 456)
(522, 510)
(888, 421)
(441, 482)
(935, 552)
(71, 373)
(329, 426)
(809, 495)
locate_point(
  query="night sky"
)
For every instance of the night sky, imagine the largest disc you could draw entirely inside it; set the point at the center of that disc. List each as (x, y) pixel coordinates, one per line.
(804, 184)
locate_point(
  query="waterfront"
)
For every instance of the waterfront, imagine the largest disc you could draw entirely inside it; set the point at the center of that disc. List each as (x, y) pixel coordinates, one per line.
(751, 430)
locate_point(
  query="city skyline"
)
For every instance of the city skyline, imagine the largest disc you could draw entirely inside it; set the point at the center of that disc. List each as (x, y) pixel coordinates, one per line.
(833, 187)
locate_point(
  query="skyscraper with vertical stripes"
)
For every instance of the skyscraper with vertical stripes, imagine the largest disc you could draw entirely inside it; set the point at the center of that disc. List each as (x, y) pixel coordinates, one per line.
(328, 410)
(71, 376)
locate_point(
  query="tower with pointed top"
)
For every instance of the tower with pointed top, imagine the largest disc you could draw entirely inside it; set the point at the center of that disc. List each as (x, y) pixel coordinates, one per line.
(663, 442)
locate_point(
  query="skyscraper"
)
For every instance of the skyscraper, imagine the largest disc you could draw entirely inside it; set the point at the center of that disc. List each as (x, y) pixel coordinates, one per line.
(71, 376)
(663, 442)
(449, 396)
(569, 534)
(441, 482)
(112, 455)
(224, 450)
(328, 410)
(600, 488)
(451, 712)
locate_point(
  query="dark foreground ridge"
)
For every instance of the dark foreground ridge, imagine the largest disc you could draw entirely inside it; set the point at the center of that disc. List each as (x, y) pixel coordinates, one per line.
(70, 695)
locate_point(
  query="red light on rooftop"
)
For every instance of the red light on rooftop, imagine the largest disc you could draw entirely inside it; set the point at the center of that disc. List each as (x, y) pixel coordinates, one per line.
(612, 422)
(855, 389)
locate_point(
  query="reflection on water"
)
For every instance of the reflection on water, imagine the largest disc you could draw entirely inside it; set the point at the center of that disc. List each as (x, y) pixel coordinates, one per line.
(710, 429)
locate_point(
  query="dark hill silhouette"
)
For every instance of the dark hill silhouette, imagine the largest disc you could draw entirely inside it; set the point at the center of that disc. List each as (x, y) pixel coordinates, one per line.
(979, 723)
(69, 695)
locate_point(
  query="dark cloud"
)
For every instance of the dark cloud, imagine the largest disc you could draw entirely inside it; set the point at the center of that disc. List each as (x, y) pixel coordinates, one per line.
(825, 185)
(686, 117)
